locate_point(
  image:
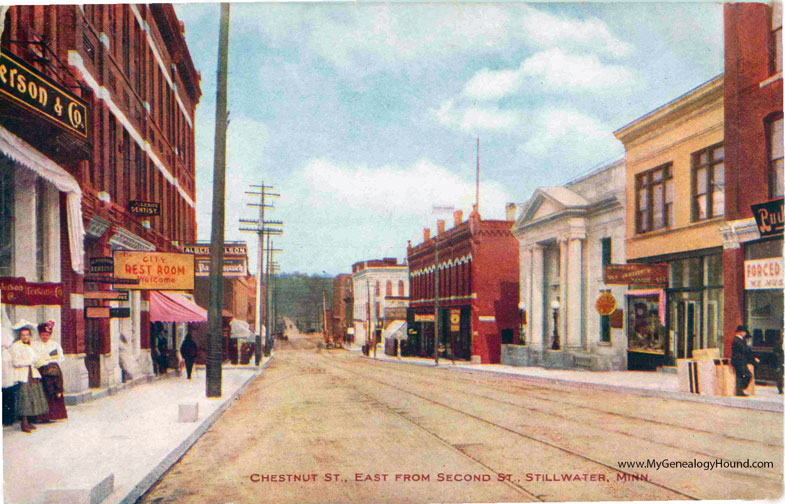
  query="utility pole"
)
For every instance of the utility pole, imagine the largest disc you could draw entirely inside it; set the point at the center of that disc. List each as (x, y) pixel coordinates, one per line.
(262, 228)
(325, 334)
(269, 298)
(477, 194)
(436, 298)
(368, 313)
(214, 314)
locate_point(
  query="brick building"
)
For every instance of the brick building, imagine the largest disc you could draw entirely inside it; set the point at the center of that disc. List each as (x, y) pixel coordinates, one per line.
(341, 313)
(124, 73)
(478, 289)
(752, 255)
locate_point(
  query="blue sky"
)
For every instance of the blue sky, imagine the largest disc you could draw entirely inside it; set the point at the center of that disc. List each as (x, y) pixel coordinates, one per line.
(364, 116)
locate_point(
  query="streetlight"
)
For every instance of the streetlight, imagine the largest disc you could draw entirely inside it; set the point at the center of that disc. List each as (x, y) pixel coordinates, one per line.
(555, 306)
(522, 324)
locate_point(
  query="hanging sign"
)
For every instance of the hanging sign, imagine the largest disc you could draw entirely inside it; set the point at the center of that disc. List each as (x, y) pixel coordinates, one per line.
(147, 208)
(606, 303)
(155, 270)
(42, 96)
(764, 274)
(770, 217)
(107, 295)
(105, 312)
(455, 320)
(101, 265)
(423, 317)
(18, 291)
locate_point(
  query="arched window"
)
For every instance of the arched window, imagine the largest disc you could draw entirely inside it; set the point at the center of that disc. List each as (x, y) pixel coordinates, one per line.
(388, 288)
(376, 291)
(400, 288)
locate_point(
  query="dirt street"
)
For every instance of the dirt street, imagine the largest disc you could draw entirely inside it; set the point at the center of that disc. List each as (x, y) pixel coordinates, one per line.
(332, 426)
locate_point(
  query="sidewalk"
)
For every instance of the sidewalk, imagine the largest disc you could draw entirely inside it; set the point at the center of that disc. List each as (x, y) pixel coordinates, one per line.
(643, 383)
(113, 449)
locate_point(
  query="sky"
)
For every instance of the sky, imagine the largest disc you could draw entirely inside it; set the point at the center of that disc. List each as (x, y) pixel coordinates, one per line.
(365, 116)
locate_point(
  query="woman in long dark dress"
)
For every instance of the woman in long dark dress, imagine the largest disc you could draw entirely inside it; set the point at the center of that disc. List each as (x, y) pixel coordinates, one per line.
(50, 355)
(30, 399)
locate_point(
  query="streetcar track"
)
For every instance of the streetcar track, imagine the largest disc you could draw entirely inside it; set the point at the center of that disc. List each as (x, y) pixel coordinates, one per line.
(526, 436)
(531, 391)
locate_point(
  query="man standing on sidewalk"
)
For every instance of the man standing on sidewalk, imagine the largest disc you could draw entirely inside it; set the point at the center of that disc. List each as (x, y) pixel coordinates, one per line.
(740, 356)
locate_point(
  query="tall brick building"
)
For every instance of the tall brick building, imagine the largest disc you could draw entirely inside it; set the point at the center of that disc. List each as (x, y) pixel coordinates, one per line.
(478, 289)
(117, 127)
(753, 172)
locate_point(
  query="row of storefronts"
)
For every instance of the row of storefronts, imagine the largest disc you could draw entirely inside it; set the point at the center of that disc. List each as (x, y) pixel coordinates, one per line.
(96, 159)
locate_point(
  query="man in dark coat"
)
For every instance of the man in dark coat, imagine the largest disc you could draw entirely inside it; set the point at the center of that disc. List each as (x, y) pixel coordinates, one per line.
(188, 350)
(740, 356)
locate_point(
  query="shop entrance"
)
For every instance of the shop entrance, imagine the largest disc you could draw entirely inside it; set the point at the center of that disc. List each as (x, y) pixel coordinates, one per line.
(687, 325)
(93, 330)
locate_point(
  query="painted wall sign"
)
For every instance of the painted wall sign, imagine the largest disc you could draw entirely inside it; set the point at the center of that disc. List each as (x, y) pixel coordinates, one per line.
(42, 96)
(233, 266)
(18, 291)
(101, 265)
(764, 274)
(770, 217)
(155, 270)
(230, 249)
(111, 280)
(423, 317)
(455, 320)
(147, 208)
(636, 274)
(105, 312)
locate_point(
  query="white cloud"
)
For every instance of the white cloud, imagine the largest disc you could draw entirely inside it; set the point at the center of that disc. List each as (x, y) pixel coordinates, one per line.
(476, 119)
(568, 134)
(492, 85)
(556, 70)
(547, 30)
(397, 191)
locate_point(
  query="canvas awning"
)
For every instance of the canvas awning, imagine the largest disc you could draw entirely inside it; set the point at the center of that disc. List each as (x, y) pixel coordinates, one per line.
(171, 307)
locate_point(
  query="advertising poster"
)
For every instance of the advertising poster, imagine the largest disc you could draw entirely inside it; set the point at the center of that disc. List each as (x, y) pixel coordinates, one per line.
(301, 252)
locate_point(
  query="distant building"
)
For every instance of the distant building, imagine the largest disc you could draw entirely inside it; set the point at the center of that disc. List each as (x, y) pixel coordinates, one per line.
(478, 289)
(752, 256)
(567, 234)
(375, 284)
(341, 314)
(675, 192)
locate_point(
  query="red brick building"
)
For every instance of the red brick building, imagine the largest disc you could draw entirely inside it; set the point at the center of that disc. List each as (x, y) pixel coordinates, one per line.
(478, 289)
(753, 171)
(135, 89)
(341, 313)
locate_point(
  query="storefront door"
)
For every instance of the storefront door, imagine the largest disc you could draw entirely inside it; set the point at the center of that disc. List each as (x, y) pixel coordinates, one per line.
(687, 329)
(93, 351)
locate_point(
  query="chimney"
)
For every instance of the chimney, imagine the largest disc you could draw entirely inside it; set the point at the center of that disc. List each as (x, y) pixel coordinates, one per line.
(458, 216)
(426, 234)
(439, 226)
(511, 211)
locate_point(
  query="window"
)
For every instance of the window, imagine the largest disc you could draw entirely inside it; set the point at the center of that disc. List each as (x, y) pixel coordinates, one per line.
(376, 290)
(775, 50)
(112, 159)
(41, 229)
(400, 288)
(605, 328)
(654, 199)
(6, 217)
(708, 183)
(388, 288)
(606, 251)
(774, 131)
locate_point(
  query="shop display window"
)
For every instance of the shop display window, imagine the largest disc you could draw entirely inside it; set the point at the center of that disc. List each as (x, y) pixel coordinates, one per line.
(645, 332)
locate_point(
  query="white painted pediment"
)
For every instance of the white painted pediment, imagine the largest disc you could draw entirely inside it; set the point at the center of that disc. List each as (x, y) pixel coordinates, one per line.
(550, 201)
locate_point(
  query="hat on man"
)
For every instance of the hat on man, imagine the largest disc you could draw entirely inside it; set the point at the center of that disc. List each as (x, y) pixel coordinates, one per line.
(743, 328)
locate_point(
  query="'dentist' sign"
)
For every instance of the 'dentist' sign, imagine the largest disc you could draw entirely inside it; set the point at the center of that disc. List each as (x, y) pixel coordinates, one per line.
(764, 274)
(155, 270)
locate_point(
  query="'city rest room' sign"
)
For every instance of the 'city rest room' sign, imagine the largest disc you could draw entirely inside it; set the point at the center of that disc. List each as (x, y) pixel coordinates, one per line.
(155, 270)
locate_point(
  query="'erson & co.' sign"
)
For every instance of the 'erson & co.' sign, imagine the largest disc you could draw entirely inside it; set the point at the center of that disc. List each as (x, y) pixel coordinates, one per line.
(764, 274)
(155, 270)
(42, 96)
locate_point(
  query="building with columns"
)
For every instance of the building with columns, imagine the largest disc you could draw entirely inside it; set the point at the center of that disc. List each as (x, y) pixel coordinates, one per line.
(566, 234)
(675, 192)
(378, 286)
(103, 118)
(752, 255)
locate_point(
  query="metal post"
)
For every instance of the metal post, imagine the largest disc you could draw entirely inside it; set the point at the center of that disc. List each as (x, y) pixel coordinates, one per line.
(259, 284)
(214, 314)
(436, 298)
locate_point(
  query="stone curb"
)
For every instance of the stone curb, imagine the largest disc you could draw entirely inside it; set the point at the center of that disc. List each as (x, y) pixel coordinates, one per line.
(733, 402)
(159, 470)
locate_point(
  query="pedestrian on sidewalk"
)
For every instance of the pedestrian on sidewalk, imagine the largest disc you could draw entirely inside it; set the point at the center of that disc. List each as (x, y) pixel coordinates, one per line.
(30, 399)
(10, 386)
(50, 356)
(740, 356)
(162, 347)
(188, 350)
(778, 354)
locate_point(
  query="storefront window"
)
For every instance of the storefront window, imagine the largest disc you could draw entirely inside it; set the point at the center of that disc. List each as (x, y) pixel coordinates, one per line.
(6, 217)
(686, 272)
(712, 318)
(764, 316)
(645, 332)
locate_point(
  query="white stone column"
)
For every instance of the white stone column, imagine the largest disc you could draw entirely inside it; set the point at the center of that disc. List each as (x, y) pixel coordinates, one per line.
(525, 286)
(536, 302)
(564, 281)
(574, 293)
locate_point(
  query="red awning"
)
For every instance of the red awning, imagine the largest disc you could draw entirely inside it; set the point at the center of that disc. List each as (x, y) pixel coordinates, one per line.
(171, 307)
